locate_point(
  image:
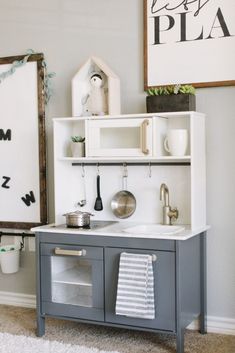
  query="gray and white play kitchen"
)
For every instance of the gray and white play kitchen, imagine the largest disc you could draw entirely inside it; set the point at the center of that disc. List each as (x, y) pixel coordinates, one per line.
(80, 270)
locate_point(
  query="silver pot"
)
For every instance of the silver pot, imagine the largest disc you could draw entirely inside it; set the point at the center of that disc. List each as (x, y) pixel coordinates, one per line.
(78, 219)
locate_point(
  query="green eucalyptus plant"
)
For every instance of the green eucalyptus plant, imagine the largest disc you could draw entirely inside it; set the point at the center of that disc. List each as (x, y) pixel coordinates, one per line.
(77, 138)
(168, 90)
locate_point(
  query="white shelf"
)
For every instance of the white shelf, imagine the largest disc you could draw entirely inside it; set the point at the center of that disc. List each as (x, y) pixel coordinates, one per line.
(78, 276)
(125, 147)
(79, 300)
(129, 116)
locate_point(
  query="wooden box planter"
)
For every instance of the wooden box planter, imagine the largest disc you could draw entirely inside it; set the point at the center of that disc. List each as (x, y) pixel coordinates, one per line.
(171, 103)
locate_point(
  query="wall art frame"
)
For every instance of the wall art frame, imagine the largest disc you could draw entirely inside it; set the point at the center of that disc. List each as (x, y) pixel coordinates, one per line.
(189, 42)
(23, 184)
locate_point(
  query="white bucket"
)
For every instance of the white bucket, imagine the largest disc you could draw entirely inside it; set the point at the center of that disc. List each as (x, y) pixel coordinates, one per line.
(10, 258)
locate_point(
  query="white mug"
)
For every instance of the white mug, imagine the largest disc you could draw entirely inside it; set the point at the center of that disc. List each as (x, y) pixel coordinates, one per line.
(176, 142)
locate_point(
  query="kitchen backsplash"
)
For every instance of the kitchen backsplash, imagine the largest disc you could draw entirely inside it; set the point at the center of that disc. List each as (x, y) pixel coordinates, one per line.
(144, 188)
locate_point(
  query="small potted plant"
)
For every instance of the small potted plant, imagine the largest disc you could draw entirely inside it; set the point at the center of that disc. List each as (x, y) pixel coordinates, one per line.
(78, 146)
(171, 99)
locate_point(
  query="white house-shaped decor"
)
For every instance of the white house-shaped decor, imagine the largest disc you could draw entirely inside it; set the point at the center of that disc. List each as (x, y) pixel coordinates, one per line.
(95, 90)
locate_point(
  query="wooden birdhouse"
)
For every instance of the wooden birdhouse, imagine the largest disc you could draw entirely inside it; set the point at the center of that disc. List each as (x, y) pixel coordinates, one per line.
(95, 90)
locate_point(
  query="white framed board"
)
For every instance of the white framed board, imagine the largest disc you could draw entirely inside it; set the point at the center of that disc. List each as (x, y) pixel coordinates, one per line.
(189, 42)
(23, 200)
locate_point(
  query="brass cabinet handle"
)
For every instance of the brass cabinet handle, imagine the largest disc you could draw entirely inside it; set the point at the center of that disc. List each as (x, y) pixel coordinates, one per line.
(144, 125)
(66, 252)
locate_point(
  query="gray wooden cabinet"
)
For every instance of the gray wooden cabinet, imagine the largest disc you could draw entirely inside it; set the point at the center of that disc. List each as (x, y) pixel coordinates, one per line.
(72, 281)
(77, 279)
(164, 291)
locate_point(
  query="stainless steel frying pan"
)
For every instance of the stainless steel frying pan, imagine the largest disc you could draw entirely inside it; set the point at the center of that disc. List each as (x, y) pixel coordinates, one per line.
(123, 203)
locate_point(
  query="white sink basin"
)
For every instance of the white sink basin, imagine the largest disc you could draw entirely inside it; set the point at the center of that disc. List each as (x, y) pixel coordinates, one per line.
(154, 229)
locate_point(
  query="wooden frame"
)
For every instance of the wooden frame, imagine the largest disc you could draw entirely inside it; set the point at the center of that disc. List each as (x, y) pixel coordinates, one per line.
(13, 193)
(189, 46)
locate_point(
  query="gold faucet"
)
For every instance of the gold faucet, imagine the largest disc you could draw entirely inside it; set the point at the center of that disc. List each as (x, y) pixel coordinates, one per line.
(169, 214)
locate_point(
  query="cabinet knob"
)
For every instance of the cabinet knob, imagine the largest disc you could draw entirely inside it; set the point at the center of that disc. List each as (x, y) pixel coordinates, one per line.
(154, 258)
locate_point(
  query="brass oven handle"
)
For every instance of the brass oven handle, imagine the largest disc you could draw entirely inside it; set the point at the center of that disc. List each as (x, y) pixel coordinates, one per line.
(144, 125)
(66, 252)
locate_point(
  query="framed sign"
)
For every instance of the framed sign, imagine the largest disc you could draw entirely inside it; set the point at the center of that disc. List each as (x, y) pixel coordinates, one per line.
(189, 42)
(23, 200)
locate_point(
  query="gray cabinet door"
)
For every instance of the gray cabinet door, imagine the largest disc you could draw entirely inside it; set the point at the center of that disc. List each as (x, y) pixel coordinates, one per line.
(164, 290)
(72, 281)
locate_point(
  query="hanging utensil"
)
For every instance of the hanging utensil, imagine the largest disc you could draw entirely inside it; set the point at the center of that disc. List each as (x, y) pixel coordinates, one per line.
(82, 201)
(123, 203)
(98, 202)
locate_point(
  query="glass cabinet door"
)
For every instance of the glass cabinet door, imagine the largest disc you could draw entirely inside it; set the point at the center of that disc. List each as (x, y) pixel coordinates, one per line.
(119, 137)
(72, 280)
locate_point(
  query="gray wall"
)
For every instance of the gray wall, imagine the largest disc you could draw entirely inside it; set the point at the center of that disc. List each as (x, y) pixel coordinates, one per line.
(68, 32)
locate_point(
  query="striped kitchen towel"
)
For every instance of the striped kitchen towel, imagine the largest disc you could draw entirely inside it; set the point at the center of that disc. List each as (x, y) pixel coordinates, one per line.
(135, 292)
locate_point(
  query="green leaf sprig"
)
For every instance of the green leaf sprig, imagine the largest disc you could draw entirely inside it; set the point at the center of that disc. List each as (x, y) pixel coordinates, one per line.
(77, 138)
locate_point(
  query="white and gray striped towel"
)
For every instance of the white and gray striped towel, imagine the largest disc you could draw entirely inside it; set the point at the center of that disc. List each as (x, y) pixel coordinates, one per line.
(135, 292)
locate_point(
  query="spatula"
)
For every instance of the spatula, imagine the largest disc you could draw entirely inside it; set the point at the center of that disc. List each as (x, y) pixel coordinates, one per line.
(98, 202)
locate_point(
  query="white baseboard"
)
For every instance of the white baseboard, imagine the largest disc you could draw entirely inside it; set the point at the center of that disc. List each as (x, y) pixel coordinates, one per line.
(18, 299)
(214, 324)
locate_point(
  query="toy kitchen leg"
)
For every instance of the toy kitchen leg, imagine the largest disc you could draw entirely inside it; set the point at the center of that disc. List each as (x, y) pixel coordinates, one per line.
(180, 341)
(40, 319)
(203, 288)
(190, 279)
(40, 326)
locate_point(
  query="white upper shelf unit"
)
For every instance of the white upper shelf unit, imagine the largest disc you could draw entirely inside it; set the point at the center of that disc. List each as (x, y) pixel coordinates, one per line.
(134, 139)
(128, 138)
